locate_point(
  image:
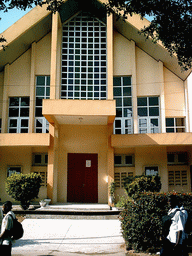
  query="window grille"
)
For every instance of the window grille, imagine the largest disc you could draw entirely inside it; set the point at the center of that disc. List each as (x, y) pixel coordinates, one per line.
(148, 114)
(84, 59)
(122, 91)
(119, 178)
(175, 124)
(177, 178)
(18, 121)
(42, 92)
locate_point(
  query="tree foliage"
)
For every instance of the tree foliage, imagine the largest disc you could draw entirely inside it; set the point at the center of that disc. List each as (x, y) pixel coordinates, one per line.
(171, 23)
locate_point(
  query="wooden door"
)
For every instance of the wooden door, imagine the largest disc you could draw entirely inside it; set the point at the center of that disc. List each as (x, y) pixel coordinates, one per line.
(82, 180)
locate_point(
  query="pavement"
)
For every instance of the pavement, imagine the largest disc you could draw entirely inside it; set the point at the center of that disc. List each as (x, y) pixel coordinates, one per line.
(70, 237)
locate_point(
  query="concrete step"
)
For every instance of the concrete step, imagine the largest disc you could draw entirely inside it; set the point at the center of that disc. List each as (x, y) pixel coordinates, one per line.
(69, 211)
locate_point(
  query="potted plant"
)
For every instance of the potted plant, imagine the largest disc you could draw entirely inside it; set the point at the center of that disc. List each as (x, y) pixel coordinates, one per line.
(47, 200)
(42, 203)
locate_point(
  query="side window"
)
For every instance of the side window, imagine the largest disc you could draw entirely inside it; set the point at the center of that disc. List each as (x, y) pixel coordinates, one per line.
(40, 159)
(42, 92)
(151, 170)
(13, 169)
(18, 121)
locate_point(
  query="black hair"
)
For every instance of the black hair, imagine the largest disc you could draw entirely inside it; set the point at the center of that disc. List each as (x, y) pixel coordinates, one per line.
(8, 204)
(173, 201)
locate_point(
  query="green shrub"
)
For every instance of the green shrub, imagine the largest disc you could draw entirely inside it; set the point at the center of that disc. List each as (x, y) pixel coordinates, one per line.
(138, 184)
(23, 188)
(141, 220)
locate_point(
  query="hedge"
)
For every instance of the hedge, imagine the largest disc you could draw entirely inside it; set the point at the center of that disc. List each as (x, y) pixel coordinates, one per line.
(141, 219)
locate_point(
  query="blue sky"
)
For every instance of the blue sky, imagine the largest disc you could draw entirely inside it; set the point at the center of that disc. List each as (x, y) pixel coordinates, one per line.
(10, 17)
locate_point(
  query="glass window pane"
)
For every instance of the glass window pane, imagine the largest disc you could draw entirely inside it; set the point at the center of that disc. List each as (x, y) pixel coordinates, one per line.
(24, 112)
(153, 101)
(142, 101)
(13, 123)
(37, 159)
(127, 91)
(180, 122)
(142, 122)
(126, 80)
(14, 101)
(119, 112)
(127, 102)
(170, 158)
(25, 101)
(117, 81)
(169, 129)
(24, 123)
(40, 91)
(127, 112)
(117, 91)
(40, 80)
(180, 129)
(129, 160)
(169, 122)
(118, 160)
(118, 102)
(13, 112)
(154, 111)
(142, 112)
(117, 123)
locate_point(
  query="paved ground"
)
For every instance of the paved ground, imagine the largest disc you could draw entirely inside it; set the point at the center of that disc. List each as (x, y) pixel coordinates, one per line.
(70, 237)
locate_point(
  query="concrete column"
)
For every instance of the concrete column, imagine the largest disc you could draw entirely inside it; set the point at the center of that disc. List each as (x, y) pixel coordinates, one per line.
(187, 113)
(110, 57)
(52, 163)
(5, 100)
(162, 98)
(32, 89)
(134, 88)
(110, 158)
(53, 71)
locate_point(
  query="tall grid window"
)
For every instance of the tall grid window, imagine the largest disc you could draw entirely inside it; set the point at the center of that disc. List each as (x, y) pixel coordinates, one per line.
(84, 59)
(42, 92)
(18, 115)
(175, 124)
(148, 114)
(122, 92)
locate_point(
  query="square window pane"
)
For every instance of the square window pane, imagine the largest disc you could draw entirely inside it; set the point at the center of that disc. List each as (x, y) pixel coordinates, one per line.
(118, 102)
(117, 123)
(40, 80)
(24, 112)
(118, 160)
(127, 112)
(127, 102)
(14, 101)
(13, 123)
(126, 80)
(129, 160)
(127, 91)
(154, 111)
(119, 112)
(142, 122)
(24, 123)
(142, 112)
(142, 101)
(117, 81)
(25, 101)
(169, 122)
(37, 159)
(153, 101)
(180, 122)
(40, 91)
(170, 158)
(13, 112)
(117, 91)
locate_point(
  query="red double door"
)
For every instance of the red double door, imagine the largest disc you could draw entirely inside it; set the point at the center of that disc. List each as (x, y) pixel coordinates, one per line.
(82, 180)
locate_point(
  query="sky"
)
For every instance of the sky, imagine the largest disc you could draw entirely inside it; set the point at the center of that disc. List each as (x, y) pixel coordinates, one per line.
(10, 17)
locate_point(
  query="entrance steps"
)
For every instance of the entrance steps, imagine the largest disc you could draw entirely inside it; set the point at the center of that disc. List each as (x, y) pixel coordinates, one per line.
(70, 211)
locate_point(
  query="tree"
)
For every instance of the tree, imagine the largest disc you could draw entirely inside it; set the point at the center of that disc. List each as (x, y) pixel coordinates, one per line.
(24, 187)
(171, 23)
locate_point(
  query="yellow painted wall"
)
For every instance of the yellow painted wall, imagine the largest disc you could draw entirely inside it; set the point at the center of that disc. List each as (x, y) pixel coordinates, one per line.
(20, 75)
(82, 139)
(122, 55)
(43, 56)
(1, 92)
(174, 95)
(147, 74)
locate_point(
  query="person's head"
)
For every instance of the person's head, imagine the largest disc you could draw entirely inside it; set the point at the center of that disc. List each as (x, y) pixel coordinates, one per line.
(7, 206)
(173, 201)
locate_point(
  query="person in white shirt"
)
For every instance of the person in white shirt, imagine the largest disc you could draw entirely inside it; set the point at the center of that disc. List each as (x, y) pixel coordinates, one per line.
(7, 225)
(173, 242)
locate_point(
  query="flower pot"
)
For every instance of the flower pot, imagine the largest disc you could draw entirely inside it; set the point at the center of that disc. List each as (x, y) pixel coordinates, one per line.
(42, 203)
(47, 201)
